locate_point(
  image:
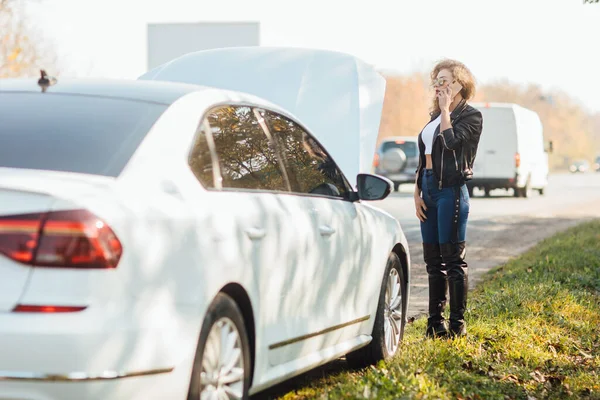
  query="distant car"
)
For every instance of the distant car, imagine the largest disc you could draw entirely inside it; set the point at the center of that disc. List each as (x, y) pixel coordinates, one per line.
(397, 159)
(195, 240)
(597, 164)
(579, 166)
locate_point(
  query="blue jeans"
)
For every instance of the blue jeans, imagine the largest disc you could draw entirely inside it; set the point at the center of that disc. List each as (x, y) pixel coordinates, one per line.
(447, 211)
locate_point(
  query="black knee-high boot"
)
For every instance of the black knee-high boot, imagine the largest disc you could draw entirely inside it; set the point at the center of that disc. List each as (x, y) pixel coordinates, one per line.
(453, 255)
(438, 285)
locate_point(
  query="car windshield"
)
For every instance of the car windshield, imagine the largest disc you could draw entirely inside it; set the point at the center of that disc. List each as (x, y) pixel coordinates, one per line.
(408, 147)
(72, 133)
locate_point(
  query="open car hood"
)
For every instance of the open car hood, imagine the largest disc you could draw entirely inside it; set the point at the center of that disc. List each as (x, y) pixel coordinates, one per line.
(338, 97)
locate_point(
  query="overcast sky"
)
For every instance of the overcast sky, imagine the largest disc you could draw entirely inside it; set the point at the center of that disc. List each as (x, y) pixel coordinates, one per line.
(554, 43)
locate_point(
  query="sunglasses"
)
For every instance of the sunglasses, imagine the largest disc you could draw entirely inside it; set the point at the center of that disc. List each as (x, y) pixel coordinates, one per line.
(441, 82)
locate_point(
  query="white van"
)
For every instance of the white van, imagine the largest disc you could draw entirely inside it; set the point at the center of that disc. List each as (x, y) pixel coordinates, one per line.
(511, 153)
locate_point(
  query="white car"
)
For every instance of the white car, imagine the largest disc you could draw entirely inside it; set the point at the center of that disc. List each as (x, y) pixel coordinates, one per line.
(164, 240)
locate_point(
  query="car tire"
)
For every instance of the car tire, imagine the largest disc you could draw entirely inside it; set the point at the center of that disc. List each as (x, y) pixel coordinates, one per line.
(396, 186)
(526, 191)
(379, 348)
(470, 189)
(487, 192)
(541, 191)
(222, 318)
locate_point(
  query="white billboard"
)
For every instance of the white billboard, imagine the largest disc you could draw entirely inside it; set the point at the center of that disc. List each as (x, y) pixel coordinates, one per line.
(169, 41)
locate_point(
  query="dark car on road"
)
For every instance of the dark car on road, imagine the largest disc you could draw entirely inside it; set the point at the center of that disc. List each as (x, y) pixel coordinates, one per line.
(579, 166)
(397, 158)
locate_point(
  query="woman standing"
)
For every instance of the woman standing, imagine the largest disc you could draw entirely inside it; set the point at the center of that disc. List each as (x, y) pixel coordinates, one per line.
(447, 147)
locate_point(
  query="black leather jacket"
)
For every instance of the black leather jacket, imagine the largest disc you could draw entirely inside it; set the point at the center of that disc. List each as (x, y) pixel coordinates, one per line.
(454, 150)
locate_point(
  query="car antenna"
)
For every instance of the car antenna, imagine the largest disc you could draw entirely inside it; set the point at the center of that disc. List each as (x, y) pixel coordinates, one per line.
(45, 81)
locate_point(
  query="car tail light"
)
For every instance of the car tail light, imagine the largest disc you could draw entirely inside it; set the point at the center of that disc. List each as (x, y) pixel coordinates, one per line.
(26, 308)
(517, 160)
(376, 160)
(62, 239)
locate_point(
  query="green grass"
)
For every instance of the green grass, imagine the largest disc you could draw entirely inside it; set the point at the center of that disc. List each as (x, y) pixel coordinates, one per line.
(534, 332)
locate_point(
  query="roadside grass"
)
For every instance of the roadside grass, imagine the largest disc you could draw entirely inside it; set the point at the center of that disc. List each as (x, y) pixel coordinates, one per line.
(534, 333)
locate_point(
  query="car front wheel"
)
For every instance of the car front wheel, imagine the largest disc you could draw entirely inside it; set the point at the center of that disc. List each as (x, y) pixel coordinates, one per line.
(222, 364)
(390, 320)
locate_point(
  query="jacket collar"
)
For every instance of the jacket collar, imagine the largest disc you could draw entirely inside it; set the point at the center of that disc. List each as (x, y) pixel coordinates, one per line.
(455, 113)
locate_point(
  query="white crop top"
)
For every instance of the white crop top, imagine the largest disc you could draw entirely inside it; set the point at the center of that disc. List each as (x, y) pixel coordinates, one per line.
(427, 134)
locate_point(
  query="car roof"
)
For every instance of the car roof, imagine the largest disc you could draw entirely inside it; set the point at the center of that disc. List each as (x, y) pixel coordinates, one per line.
(149, 91)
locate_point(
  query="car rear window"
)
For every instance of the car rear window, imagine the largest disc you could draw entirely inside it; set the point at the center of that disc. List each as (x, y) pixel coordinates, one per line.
(72, 133)
(409, 148)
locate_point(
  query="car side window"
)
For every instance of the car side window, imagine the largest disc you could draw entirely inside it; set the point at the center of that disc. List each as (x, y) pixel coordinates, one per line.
(245, 155)
(200, 159)
(310, 169)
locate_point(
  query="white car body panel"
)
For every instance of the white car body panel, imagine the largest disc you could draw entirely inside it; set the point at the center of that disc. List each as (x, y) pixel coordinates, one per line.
(182, 244)
(15, 275)
(336, 96)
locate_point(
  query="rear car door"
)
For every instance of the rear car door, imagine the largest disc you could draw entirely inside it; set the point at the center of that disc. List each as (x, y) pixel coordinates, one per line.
(497, 146)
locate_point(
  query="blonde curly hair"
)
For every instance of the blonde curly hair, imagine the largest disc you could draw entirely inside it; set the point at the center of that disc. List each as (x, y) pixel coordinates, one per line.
(461, 73)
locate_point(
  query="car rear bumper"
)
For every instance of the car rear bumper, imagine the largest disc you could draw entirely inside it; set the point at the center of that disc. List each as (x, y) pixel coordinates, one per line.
(493, 183)
(399, 177)
(100, 353)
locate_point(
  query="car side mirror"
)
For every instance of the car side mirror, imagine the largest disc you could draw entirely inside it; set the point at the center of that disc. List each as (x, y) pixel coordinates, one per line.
(373, 187)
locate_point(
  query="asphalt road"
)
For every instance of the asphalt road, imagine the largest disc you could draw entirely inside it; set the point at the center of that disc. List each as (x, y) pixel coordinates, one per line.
(500, 227)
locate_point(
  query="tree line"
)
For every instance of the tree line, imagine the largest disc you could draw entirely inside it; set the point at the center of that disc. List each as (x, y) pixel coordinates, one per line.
(23, 50)
(574, 131)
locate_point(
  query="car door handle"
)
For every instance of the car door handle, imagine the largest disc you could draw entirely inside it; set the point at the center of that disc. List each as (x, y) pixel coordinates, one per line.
(326, 230)
(491, 151)
(255, 233)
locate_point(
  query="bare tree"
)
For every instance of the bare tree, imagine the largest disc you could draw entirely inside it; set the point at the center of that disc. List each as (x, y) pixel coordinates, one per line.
(22, 52)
